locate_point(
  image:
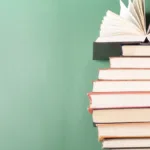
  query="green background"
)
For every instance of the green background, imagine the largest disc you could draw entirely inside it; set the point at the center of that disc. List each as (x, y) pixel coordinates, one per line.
(46, 70)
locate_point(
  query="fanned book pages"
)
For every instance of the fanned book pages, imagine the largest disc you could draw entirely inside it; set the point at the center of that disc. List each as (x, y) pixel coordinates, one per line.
(129, 26)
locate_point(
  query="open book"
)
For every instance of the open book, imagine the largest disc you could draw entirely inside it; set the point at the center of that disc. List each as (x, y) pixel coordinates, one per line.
(129, 26)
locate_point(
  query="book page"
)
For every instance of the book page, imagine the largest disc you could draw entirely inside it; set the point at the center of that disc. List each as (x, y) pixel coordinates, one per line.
(142, 11)
(139, 6)
(125, 13)
(133, 12)
(114, 25)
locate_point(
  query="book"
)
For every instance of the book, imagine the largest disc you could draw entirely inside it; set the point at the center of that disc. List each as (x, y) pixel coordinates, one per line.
(130, 115)
(136, 50)
(105, 100)
(129, 25)
(130, 149)
(124, 74)
(124, 130)
(130, 62)
(126, 143)
(121, 85)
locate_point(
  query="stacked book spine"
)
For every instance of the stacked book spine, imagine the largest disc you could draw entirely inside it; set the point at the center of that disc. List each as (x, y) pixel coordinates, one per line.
(120, 100)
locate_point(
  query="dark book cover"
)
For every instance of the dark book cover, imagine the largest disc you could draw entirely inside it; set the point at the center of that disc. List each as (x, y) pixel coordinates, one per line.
(105, 50)
(102, 51)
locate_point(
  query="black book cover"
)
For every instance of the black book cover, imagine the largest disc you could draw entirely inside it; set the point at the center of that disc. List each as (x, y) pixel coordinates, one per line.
(106, 50)
(102, 51)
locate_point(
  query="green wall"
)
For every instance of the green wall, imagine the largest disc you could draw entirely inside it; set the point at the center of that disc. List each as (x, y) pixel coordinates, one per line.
(46, 69)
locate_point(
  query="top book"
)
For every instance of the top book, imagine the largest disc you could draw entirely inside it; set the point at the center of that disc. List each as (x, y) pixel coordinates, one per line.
(129, 26)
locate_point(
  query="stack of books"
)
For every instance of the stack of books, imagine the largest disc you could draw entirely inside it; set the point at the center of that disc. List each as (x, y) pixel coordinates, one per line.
(120, 103)
(120, 100)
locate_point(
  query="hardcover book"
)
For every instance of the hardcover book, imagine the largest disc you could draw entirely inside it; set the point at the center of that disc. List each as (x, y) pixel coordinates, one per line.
(129, 115)
(106, 100)
(126, 143)
(130, 62)
(121, 85)
(136, 50)
(124, 74)
(124, 130)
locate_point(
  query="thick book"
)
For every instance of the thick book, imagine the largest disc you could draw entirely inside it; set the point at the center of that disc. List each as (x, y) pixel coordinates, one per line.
(124, 74)
(130, 148)
(130, 115)
(136, 50)
(130, 62)
(105, 100)
(121, 85)
(124, 130)
(126, 143)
